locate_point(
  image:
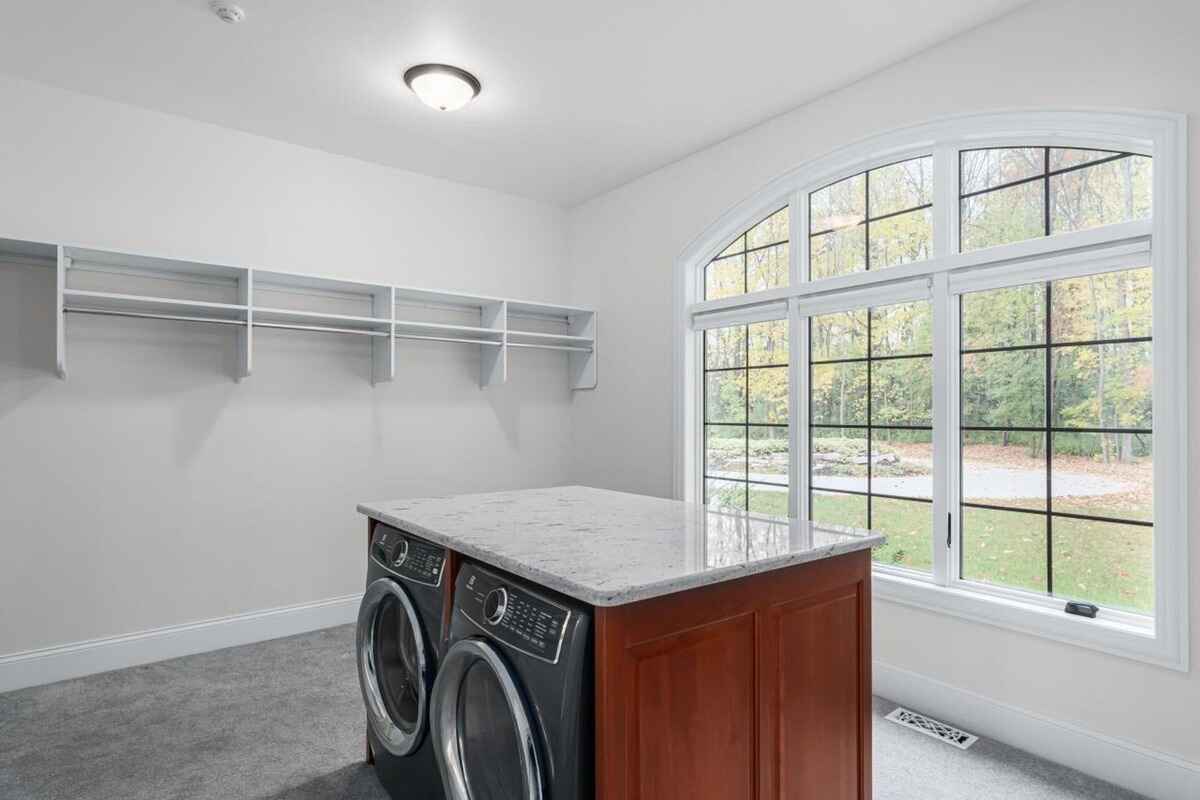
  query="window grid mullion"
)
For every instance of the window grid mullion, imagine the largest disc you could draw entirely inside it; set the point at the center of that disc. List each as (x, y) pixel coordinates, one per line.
(808, 422)
(799, 435)
(870, 433)
(746, 418)
(703, 460)
(947, 183)
(1056, 345)
(1046, 190)
(867, 236)
(798, 228)
(957, 526)
(867, 219)
(1048, 442)
(941, 437)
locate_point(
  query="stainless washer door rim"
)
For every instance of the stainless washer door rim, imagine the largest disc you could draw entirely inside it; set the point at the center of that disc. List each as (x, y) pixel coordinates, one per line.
(395, 739)
(444, 722)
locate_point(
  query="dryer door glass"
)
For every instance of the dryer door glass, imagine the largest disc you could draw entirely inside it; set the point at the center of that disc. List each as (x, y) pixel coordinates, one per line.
(487, 737)
(394, 669)
(482, 733)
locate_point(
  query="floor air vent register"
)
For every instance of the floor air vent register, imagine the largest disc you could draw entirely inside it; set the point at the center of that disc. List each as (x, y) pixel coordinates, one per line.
(932, 727)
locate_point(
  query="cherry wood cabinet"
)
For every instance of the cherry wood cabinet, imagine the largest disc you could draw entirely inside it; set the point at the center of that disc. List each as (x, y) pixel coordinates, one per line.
(753, 689)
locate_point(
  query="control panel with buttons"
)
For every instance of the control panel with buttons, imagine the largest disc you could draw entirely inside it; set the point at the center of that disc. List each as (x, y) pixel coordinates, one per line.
(521, 619)
(413, 559)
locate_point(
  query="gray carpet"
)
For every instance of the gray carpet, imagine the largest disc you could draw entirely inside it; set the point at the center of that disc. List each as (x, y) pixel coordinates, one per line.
(912, 766)
(282, 720)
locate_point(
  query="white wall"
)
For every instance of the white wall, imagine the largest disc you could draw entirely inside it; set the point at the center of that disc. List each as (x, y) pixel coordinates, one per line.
(624, 244)
(150, 489)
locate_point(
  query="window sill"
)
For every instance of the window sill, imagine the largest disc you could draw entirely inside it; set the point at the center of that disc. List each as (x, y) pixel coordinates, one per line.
(1115, 637)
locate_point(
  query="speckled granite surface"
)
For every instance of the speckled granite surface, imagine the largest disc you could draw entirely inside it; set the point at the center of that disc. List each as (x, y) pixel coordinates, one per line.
(610, 548)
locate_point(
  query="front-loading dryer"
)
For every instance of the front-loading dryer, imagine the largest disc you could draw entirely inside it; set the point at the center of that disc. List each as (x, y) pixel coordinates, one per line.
(511, 714)
(397, 649)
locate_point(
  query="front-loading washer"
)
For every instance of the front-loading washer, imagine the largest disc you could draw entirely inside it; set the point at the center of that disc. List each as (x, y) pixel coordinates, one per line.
(398, 645)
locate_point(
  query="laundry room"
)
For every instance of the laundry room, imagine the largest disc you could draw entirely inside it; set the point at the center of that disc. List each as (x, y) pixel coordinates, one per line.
(532, 401)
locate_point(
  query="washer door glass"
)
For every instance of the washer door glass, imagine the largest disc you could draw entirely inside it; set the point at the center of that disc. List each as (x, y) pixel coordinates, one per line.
(484, 741)
(393, 666)
(400, 680)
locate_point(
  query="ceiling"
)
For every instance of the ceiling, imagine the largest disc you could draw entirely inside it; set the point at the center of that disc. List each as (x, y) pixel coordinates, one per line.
(578, 97)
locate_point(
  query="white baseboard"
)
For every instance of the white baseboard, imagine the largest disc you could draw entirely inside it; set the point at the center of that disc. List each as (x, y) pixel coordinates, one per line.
(50, 664)
(1140, 769)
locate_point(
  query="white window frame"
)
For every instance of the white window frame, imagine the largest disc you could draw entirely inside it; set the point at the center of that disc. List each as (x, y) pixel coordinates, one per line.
(1160, 242)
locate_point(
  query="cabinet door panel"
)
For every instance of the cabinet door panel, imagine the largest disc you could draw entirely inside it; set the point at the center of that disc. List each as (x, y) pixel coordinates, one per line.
(695, 719)
(814, 671)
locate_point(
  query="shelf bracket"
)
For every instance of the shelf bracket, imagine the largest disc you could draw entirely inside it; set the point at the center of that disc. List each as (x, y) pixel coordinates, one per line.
(583, 364)
(246, 332)
(383, 349)
(493, 361)
(60, 327)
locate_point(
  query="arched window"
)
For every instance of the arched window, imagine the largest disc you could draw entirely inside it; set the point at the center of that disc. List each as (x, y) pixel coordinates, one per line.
(977, 347)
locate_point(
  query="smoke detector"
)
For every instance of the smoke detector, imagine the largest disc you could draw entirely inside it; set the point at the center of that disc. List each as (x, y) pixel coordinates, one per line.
(227, 12)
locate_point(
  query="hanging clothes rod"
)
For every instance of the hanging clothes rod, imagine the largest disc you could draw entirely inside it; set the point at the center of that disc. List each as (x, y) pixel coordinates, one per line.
(291, 326)
(107, 312)
(283, 325)
(552, 347)
(446, 339)
(469, 305)
(218, 321)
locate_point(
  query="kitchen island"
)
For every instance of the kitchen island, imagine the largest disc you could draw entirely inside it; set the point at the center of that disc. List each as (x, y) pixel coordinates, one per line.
(731, 651)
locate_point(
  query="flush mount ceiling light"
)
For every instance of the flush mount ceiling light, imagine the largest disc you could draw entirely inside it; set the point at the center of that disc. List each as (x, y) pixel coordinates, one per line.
(442, 86)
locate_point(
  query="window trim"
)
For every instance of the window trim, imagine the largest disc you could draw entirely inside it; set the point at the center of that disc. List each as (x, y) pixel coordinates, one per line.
(1161, 135)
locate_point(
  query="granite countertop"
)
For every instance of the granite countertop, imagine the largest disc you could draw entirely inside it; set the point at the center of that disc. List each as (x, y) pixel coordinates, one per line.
(609, 548)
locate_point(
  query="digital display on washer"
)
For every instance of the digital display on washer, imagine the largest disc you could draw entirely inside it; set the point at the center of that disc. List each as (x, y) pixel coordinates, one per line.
(520, 619)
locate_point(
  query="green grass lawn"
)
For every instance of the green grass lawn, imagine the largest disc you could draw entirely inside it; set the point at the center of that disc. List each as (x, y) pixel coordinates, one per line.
(1105, 563)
